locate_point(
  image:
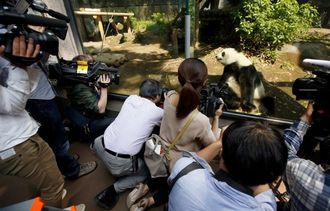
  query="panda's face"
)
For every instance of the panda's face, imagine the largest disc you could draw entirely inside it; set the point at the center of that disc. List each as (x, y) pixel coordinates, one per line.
(229, 55)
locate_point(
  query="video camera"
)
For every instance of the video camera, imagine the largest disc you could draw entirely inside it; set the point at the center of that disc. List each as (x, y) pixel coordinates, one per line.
(68, 72)
(210, 99)
(316, 89)
(15, 21)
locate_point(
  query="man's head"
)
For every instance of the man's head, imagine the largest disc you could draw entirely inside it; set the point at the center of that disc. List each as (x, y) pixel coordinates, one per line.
(253, 152)
(83, 57)
(151, 89)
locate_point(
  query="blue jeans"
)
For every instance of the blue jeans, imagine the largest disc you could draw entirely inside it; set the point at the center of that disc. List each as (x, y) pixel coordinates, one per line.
(52, 131)
(88, 128)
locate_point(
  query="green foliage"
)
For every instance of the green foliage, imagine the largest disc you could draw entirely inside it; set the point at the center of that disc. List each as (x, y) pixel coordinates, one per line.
(157, 24)
(265, 25)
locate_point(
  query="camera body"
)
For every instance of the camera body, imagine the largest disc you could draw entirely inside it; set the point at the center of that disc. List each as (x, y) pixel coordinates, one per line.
(210, 99)
(316, 89)
(68, 72)
(14, 21)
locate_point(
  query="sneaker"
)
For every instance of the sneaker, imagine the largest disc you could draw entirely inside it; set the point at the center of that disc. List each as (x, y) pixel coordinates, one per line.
(141, 205)
(86, 168)
(139, 191)
(107, 199)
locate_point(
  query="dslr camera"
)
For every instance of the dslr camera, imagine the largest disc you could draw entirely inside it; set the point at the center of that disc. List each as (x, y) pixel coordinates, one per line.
(15, 20)
(210, 99)
(316, 89)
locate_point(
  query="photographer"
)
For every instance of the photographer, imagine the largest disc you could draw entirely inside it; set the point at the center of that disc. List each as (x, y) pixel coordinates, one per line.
(307, 182)
(124, 138)
(22, 152)
(89, 105)
(43, 107)
(253, 155)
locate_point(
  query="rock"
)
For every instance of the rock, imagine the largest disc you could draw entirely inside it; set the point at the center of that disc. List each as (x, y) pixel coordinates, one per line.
(302, 50)
(112, 59)
(128, 37)
(113, 40)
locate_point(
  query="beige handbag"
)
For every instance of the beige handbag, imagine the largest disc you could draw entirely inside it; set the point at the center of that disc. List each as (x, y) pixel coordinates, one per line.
(156, 153)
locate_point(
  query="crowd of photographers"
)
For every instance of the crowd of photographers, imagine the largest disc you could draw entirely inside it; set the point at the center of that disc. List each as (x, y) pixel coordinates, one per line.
(252, 154)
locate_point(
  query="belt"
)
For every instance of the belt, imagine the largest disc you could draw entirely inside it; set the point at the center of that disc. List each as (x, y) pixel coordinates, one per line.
(115, 153)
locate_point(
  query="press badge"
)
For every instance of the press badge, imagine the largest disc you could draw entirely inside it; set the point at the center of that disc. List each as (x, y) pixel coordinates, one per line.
(82, 67)
(7, 153)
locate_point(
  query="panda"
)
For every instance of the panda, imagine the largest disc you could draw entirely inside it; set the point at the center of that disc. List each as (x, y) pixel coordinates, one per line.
(241, 85)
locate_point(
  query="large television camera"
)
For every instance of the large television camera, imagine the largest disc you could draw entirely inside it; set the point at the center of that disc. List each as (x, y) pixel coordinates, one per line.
(68, 72)
(15, 20)
(316, 89)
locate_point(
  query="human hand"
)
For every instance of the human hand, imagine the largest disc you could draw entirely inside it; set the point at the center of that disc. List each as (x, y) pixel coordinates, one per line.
(104, 80)
(219, 111)
(307, 116)
(23, 49)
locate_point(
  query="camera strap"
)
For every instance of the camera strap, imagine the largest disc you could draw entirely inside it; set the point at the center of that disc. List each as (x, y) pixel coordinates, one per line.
(45, 70)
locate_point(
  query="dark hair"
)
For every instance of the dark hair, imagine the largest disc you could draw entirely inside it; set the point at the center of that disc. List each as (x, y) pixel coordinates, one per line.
(253, 152)
(83, 57)
(192, 74)
(150, 88)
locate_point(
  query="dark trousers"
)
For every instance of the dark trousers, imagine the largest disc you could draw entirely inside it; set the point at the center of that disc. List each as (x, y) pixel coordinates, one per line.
(88, 128)
(52, 130)
(160, 188)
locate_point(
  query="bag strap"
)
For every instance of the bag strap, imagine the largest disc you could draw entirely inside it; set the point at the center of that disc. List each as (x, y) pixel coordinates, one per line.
(220, 176)
(183, 129)
(191, 167)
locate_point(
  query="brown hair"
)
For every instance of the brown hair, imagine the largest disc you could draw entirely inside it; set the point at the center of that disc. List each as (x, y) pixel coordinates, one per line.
(83, 57)
(192, 74)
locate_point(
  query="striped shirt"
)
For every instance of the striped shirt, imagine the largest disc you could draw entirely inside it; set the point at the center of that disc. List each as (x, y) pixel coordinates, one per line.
(308, 183)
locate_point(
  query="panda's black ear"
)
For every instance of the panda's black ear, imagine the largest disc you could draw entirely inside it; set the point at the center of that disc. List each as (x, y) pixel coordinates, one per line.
(223, 54)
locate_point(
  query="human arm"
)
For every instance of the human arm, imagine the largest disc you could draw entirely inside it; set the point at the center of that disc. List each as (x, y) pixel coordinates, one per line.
(84, 98)
(104, 81)
(211, 151)
(15, 83)
(215, 121)
(294, 135)
(306, 181)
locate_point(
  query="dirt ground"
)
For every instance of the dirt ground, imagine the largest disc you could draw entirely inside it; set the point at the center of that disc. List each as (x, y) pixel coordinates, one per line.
(150, 57)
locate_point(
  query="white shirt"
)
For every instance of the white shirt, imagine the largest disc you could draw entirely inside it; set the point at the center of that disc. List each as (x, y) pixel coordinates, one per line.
(133, 125)
(16, 84)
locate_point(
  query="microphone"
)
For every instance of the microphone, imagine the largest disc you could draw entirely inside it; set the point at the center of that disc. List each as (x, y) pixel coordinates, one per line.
(15, 18)
(42, 7)
(59, 15)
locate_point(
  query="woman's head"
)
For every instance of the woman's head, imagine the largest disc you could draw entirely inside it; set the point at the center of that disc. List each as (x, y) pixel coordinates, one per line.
(253, 152)
(192, 74)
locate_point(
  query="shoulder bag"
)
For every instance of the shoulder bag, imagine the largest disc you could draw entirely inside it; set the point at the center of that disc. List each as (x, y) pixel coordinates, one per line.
(156, 153)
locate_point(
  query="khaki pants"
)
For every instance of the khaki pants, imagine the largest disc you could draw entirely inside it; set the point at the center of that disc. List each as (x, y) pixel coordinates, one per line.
(35, 161)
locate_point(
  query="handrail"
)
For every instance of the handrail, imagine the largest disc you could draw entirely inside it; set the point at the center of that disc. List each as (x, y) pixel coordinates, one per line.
(104, 13)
